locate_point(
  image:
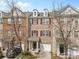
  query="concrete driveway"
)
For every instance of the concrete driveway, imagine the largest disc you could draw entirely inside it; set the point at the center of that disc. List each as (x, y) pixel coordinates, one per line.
(44, 55)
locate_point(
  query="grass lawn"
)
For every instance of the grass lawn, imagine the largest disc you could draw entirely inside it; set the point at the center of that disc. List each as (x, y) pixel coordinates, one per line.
(26, 55)
(29, 57)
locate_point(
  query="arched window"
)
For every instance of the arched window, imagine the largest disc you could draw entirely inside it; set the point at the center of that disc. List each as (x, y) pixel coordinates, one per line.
(35, 13)
(46, 12)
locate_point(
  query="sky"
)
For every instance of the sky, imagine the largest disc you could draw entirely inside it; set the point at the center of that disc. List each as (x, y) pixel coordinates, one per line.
(29, 5)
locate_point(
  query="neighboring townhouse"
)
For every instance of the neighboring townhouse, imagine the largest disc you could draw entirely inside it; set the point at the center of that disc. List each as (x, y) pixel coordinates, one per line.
(1, 29)
(14, 29)
(38, 30)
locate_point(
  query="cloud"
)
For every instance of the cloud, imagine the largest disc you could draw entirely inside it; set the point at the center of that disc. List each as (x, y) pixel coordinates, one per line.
(22, 5)
(2, 4)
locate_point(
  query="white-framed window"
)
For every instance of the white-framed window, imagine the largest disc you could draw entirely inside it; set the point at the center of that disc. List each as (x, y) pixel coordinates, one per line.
(76, 34)
(19, 20)
(76, 21)
(45, 12)
(35, 13)
(45, 33)
(34, 33)
(9, 20)
(45, 21)
(34, 21)
(1, 20)
(9, 32)
(0, 14)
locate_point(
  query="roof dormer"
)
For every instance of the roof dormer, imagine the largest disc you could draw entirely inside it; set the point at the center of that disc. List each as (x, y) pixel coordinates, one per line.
(35, 13)
(45, 14)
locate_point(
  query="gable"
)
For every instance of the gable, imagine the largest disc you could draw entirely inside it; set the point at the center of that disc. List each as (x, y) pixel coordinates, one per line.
(69, 10)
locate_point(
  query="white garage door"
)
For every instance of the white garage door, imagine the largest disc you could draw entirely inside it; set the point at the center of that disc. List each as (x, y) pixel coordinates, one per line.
(47, 47)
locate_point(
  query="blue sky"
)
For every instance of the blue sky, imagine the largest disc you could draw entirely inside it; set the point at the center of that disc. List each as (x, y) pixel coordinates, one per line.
(29, 5)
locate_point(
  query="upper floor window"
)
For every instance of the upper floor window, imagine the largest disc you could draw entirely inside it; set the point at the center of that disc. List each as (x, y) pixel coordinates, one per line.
(9, 20)
(34, 21)
(45, 21)
(34, 33)
(45, 12)
(0, 14)
(76, 22)
(19, 20)
(1, 20)
(45, 33)
(75, 33)
(35, 13)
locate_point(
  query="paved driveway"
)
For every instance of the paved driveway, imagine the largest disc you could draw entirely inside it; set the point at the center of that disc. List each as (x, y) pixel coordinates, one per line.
(44, 55)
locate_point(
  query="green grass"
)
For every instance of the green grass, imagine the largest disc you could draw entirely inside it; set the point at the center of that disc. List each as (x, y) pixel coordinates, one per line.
(26, 55)
(29, 57)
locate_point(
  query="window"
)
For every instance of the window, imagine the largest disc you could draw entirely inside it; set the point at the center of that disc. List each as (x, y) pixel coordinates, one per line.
(44, 21)
(61, 49)
(45, 12)
(76, 22)
(45, 33)
(9, 20)
(34, 33)
(35, 21)
(19, 20)
(75, 33)
(1, 20)
(35, 13)
(58, 33)
(9, 32)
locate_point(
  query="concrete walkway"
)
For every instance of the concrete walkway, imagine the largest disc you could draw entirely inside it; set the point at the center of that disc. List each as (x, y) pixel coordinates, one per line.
(44, 55)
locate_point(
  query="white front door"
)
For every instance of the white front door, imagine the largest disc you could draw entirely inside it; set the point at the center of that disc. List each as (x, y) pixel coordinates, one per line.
(47, 47)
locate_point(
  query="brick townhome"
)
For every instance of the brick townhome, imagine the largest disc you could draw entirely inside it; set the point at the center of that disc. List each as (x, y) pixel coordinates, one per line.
(38, 29)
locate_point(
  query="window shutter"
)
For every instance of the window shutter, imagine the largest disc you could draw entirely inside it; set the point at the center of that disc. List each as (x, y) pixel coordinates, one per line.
(41, 20)
(49, 33)
(49, 21)
(32, 21)
(37, 21)
(32, 33)
(37, 33)
(40, 33)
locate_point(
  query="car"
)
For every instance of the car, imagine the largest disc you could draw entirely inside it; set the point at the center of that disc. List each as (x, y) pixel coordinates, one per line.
(13, 52)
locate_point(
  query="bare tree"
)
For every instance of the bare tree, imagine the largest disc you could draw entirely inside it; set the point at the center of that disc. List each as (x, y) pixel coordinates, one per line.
(64, 25)
(16, 23)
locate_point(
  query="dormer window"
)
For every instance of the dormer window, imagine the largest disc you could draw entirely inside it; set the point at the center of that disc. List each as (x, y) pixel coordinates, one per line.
(45, 12)
(35, 13)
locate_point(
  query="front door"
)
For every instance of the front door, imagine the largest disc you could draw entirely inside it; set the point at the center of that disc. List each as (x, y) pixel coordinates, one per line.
(34, 45)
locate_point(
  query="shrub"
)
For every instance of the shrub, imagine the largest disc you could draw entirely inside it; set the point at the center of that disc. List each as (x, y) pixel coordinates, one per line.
(27, 53)
(1, 54)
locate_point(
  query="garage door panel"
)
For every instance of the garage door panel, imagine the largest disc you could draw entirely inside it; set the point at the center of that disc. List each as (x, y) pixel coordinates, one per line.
(47, 47)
